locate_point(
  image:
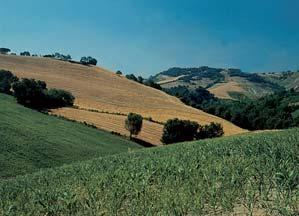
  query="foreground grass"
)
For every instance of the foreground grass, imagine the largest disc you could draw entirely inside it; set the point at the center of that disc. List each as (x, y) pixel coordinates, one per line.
(30, 140)
(254, 173)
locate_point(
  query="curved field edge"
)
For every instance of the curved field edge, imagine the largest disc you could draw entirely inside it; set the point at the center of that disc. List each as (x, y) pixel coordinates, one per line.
(252, 173)
(30, 140)
(151, 132)
(100, 89)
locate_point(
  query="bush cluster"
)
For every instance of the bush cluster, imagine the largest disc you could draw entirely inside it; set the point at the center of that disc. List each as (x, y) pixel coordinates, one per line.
(25, 53)
(34, 93)
(6, 80)
(141, 80)
(88, 60)
(176, 130)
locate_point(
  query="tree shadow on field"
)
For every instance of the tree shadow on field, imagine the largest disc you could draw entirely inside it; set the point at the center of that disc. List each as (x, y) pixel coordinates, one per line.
(142, 142)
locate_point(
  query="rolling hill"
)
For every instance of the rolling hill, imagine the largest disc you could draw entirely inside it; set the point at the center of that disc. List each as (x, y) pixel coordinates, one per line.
(227, 83)
(30, 140)
(252, 174)
(99, 89)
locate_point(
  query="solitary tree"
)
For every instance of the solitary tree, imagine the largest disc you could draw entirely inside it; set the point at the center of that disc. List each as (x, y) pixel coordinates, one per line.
(133, 124)
(119, 72)
(4, 50)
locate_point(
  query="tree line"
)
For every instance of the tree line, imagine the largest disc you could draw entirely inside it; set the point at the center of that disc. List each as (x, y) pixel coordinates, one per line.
(34, 93)
(85, 60)
(176, 130)
(141, 80)
(275, 111)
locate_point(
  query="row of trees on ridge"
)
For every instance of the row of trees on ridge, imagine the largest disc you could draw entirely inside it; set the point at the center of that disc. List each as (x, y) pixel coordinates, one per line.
(85, 60)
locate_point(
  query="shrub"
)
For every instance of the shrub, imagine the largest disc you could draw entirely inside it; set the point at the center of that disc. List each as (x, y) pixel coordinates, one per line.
(34, 94)
(176, 130)
(152, 84)
(140, 79)
(59, 98)
(210, 131)
(132, 77)
(49, 56)
(133, 124)
(62, 57)
(25, 53)
(119, 72)
(88, 61)
(4, 50)
(6, 80)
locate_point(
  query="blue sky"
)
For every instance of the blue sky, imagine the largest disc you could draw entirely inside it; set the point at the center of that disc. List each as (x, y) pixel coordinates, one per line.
(147, 36)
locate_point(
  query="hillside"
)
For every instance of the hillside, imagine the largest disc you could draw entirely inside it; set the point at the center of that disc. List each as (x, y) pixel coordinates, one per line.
(30, 140)
(101, 90)
(287, 79)
(225, 83)
(252, 174)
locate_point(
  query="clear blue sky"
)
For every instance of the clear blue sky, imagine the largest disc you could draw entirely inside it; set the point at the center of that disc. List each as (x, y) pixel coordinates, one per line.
(147, 36)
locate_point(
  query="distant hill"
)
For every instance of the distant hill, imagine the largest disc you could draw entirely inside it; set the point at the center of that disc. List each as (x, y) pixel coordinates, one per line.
(101, 90)
(30, 140)
(228, 83)
(288, 79)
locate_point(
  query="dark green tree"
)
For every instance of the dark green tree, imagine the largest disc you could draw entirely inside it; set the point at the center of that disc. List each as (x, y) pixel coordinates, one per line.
(210, 131)
(132, 77)
(59, 98)
(30, 93)
(119, 72)
(133, 124)
(4, 50)
(152, 84)
(176, 130)
(140, 79)
(25, 53)
(34, 94)
(88, 61)
(6, 80)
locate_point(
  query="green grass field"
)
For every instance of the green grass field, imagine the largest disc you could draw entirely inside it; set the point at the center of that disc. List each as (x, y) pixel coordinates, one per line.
(30, 140)
(254, 174)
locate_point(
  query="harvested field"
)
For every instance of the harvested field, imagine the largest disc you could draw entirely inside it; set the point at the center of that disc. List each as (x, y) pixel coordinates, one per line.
(222, 90)
(151, 132)
(169, 80)
(97, 88)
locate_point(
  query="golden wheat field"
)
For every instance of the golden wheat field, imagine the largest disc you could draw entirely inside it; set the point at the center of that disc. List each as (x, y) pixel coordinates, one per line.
(169, 79)
(222, 90)
(151, 132)
(103, 90)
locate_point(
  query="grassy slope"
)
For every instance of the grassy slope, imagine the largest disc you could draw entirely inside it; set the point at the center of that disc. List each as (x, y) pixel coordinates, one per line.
(30, 140)
(97, 88)
(248, 173)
